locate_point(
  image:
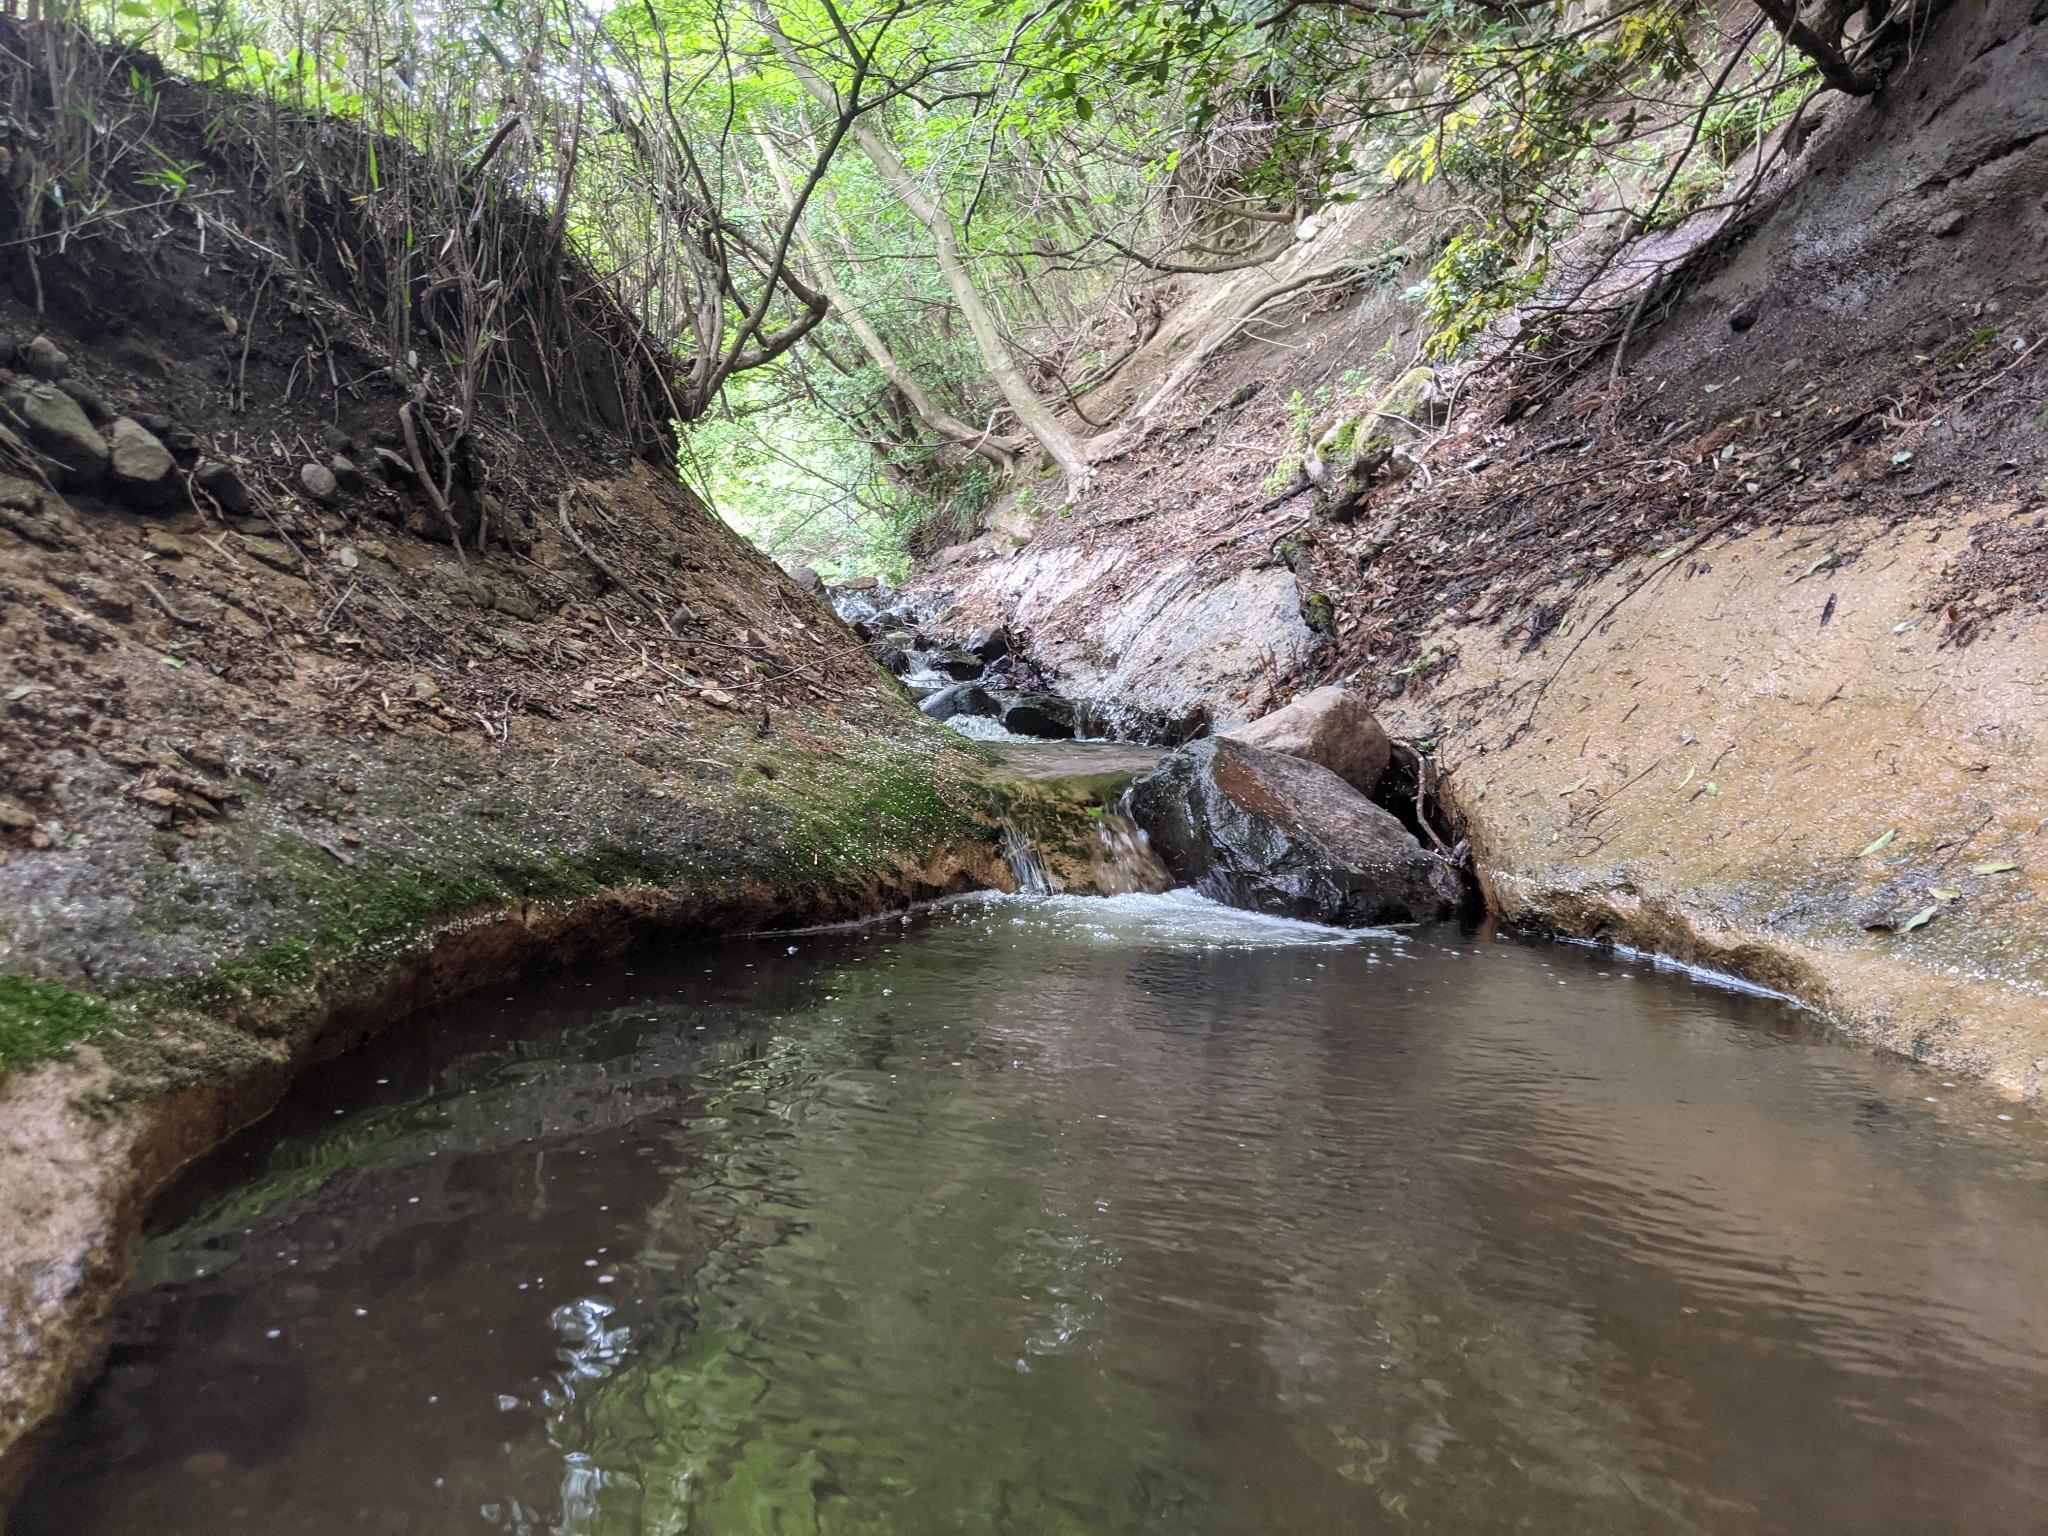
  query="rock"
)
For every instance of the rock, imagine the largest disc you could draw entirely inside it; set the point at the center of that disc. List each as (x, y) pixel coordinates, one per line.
(964, 665)
(1331, 726)
(45, 359)
(807, 578)
(57, 424)
(1948, 225)
(220, 482)
(395, 467)
(1745, 315)
(858, 584)
(1279, 834)
(895, 659)
(90, 400)
(319, 482)
(1040, 714)
(960, 699)
(347, 474)
(143, 470)
(990, 644)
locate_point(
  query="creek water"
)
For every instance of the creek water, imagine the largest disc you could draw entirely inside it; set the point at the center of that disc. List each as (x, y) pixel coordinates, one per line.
(1065, 1216)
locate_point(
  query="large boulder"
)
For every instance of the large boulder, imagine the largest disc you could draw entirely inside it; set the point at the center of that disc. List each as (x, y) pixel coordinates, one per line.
(1280, 834)
(959, 699)
(1039, 714)
(1331, 726)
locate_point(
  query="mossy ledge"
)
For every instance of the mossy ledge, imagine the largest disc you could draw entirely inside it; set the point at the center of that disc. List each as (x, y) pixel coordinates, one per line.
(177, 1002)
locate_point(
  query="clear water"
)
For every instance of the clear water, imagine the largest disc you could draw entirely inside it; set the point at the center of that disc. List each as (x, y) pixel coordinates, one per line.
(1061, 1216)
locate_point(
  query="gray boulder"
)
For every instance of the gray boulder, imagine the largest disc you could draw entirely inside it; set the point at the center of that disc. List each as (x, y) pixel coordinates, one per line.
(45, 359)
(959, 699)
(1040, 714)
(1279, 834)
(1331, 726)
(963, 665)
(58, 425)
(990, 644)
(143, 471)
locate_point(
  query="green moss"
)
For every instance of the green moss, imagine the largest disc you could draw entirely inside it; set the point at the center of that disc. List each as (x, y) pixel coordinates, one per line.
(42, 1019)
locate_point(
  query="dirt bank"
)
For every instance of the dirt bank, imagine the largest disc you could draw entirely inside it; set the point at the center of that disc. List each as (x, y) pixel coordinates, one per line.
(335, 680)
(1791, 777)
(1791, 544)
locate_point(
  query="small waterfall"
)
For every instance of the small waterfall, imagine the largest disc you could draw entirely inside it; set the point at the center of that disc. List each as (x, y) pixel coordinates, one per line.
(1026, 866)
(1126, 863)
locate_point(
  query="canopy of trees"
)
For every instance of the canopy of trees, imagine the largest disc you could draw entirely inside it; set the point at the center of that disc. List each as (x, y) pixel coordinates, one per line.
(895, 248)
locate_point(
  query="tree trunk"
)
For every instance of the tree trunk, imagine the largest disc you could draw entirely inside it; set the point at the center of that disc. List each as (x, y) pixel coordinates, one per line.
(1033, 414)
(1000, 451)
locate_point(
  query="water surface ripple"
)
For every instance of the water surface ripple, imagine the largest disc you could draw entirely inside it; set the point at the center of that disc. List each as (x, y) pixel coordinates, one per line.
(1053, 1217)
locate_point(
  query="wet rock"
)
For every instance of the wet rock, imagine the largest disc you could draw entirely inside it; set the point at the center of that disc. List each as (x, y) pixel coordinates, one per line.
(963, 665)
(320, 483)
(1279, 834)
(990, 644)
(58, 425)
(45, 359)
(894, 658)
(220, 482)
(959, 699)
(1040, 715)
(1331, 726)
(142, 469)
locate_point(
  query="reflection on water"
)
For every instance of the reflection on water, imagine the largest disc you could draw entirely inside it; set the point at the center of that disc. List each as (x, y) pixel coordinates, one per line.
(1059, 1216)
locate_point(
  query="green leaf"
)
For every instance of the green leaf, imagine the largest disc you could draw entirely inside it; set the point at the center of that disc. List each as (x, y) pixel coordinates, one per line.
(1688, 777)
(1879, 844)
(173, 661)
(1573, 789)
(1917, 919)
(1993, 867)
(1712, 789)
(1942, 893)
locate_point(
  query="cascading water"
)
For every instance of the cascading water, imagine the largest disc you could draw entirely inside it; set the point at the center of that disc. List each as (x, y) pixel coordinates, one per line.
(1026, 865)
(1121, 862)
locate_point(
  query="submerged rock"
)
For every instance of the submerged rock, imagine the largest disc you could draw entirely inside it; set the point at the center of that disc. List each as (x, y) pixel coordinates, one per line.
(1283, 835)
(1331, 726)
(1040, 714)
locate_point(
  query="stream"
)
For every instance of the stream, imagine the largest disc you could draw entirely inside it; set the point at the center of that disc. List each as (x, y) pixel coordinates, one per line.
(1052, 1216)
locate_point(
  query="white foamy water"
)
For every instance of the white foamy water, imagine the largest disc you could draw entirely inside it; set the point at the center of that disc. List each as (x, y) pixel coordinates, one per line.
(1173, 919)
(983, 728)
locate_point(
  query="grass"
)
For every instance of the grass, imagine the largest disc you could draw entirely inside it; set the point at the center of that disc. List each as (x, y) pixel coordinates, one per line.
(42, 1019)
